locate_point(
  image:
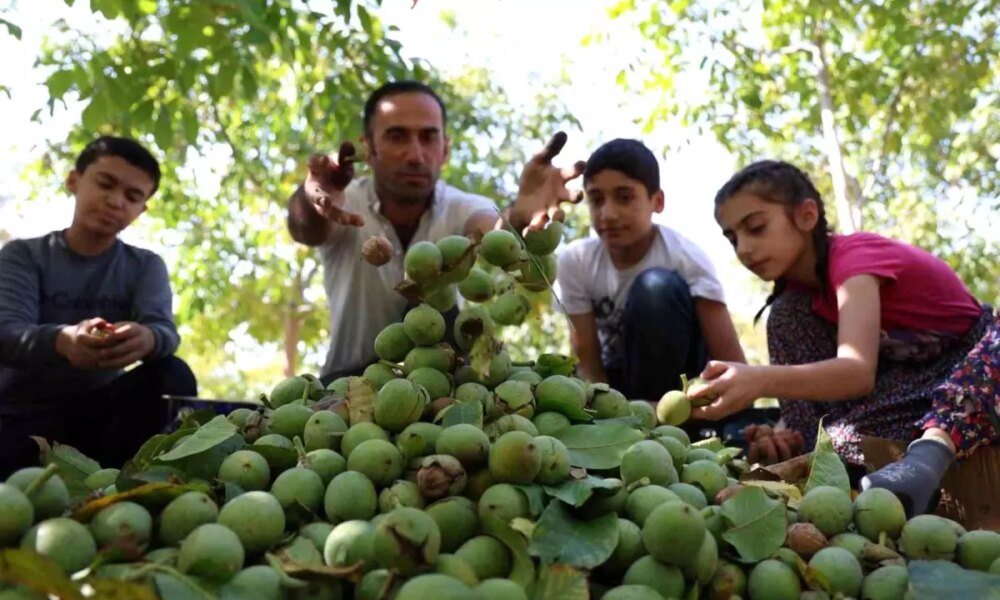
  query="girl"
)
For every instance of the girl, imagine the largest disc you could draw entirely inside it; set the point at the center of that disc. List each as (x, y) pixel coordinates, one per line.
(875, 336)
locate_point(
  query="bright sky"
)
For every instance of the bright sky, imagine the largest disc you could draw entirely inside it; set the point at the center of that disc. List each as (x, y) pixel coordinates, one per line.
(523, 42)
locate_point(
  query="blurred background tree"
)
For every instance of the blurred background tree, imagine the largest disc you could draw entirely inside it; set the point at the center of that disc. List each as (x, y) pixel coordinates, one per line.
(892, 107)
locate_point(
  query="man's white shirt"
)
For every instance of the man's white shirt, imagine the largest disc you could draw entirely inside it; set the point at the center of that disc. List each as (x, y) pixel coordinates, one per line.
(361, 296)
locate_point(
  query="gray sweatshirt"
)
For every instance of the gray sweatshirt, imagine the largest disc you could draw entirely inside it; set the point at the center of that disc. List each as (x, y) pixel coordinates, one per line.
(45, 285)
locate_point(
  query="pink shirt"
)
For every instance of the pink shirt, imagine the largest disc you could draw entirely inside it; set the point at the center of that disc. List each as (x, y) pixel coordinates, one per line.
(919, 292)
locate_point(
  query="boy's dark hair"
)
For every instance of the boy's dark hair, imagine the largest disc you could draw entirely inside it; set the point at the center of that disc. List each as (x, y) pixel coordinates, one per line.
(128, 149)
(631, 157)
(393, 88)
(782, 183)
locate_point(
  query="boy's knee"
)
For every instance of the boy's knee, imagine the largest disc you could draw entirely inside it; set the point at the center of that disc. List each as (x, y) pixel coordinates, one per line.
(177, 377)
(658, 288)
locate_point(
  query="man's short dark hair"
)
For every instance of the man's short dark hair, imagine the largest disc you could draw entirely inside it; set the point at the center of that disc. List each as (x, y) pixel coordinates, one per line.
(128, 149)
(631, 157)
(393, 88)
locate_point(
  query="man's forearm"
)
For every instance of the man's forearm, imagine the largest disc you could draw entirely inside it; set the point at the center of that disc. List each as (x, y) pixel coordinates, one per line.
(305, 224)
(28, 345)
(167, 340)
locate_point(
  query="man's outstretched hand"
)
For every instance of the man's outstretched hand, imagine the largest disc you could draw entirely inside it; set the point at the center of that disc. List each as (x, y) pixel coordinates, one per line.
(325, 184)
(542, 187)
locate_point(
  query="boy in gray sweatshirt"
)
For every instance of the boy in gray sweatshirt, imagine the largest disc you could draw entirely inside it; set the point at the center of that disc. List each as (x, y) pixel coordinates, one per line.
(77, 307)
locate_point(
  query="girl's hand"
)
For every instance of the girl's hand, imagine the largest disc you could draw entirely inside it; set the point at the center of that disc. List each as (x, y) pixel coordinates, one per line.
(735, 386)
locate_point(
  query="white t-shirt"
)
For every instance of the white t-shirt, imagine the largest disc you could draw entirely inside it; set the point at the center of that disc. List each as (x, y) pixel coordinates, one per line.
(362, 297)
(588, 282)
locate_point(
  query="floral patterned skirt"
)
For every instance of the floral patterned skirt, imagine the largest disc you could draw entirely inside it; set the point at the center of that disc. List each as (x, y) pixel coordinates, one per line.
(957, 391)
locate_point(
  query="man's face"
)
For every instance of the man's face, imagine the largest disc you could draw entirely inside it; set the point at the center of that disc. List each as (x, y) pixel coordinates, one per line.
(110, 194)
(407, 146)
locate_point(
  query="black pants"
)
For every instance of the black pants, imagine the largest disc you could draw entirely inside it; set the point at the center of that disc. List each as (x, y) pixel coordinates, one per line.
(662, 337)
(108, 424)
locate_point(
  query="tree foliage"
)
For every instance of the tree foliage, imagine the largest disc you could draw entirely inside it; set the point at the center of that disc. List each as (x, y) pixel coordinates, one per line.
(234, 96)
(894, 105)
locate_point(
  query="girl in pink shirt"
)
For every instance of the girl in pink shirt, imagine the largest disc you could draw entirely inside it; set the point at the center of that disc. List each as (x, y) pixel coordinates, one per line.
(875, 336)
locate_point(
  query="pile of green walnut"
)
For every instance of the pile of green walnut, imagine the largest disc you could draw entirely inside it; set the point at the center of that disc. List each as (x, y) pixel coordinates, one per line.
(437, 475)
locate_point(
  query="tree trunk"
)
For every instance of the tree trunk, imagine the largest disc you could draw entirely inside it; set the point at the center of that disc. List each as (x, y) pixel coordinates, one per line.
(292, 325)
(848, 216)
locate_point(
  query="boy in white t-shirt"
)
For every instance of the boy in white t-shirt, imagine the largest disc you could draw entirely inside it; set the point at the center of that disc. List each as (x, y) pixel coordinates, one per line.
(644, 301)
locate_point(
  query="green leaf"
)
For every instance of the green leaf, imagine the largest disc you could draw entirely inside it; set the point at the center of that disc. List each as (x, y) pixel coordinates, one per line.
(206, 464)
(153, 447)
(148, 494)
(60, 82)
(163, 131)
(74, 467)
(141, 118)
(197, 418)
(713, 443)
(536, 498)
(175, 586)
(114, 589)
(461, 412)
(12, 29)
(560, 538)
(191, 126)
(631, 421)
(727, 455)
(366, 20)
(95, 115)
(555, 364)
(109, 8)
(598, 446)
(575, 492)
(39, 573)
(159, 474)
(216, 432)
(248, 82)
(756, 523)
(826, 467)
(943, 580)
(523, 570)
(560, 582)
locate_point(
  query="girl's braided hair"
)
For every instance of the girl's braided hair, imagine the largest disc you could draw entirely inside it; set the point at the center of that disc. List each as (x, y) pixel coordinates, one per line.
(782, 183)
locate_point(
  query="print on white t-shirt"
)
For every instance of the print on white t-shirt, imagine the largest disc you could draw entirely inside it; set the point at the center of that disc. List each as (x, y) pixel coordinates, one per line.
(588, 282)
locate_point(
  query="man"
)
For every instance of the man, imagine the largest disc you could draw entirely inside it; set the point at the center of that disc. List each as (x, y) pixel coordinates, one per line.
(405, 146)
(77, 306)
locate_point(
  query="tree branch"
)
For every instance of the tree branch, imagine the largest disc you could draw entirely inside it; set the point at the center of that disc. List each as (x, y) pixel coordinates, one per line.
(846, 209)
(890, 119)
(307, 280)
(232, 145)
